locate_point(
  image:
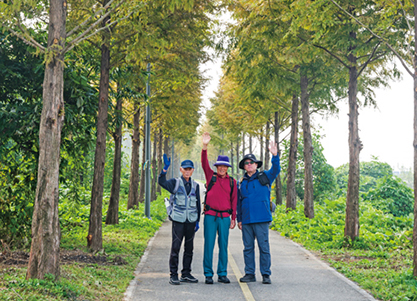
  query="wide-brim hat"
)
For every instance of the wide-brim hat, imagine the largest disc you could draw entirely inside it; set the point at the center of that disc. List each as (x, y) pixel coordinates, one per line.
(251, 157)
(223, 160)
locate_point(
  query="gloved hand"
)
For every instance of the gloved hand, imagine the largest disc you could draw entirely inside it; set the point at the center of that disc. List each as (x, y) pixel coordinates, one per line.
(196, 227)
(167, 162)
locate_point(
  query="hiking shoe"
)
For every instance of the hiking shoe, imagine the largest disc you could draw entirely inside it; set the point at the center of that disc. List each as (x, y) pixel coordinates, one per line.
(248, 278)
(174, 280)
(188, 278)
(266, 279)
(223, 279)
(209, 280)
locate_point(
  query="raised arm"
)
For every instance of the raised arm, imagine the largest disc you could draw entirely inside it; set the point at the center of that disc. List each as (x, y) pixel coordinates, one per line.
(208, 172)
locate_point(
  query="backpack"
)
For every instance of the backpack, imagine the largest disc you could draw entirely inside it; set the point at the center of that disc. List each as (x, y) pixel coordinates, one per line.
(210, 185)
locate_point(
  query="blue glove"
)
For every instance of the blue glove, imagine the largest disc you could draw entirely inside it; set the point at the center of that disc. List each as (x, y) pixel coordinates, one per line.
(196, 227)
(167, 162)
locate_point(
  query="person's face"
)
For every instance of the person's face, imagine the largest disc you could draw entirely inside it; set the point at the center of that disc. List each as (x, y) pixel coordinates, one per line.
(222, 170)
(187, 172)
(250, 166)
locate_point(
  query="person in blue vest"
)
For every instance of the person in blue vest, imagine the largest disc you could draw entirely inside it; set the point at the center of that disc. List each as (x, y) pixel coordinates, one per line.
(185, 217)
(254, 213)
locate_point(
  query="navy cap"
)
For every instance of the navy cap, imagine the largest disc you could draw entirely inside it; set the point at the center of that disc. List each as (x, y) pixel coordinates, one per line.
(187, 164)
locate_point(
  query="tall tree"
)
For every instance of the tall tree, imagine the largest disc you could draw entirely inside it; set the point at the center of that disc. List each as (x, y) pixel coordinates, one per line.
(291, 200)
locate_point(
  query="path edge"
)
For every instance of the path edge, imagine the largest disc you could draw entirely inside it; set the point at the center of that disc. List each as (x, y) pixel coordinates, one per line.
(352, 284)
(130, 289)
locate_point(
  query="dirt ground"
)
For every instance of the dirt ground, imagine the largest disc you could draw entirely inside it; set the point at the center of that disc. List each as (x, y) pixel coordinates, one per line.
(20, 258)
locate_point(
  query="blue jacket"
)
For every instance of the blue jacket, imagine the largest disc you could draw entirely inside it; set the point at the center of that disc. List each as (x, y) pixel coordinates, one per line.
(253, 198)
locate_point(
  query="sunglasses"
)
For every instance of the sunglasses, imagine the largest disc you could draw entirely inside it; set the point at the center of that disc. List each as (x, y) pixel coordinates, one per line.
(249, 162)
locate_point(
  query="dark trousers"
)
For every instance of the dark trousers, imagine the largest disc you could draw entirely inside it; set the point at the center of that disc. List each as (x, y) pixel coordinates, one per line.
(180, 231)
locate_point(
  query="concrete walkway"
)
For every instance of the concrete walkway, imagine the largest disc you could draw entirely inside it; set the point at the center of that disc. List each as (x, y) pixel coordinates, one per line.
(296, 274)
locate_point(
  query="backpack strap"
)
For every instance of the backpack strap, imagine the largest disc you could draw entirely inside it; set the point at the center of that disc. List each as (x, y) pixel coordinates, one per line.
(177, 184)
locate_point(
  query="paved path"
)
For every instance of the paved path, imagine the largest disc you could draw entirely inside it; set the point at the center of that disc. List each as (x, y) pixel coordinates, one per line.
(296, 274)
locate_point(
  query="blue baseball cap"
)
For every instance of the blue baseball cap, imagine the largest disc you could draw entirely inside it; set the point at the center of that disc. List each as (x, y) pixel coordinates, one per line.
(187, 164)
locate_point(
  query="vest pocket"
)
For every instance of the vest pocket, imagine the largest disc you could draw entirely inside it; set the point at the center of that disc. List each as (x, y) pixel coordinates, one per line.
(180, 199)
(193, 202)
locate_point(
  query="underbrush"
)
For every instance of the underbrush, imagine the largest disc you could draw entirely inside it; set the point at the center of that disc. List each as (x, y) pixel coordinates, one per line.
(90, 281)
(380, 260)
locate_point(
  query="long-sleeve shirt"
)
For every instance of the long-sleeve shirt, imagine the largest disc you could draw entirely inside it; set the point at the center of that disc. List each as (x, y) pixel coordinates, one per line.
(170, 186)
(219, 195)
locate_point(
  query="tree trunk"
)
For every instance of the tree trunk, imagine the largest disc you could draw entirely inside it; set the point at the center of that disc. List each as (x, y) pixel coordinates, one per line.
(291, 195)
(94, 237)
(231, 158)
(158, 187)
(154, 166)
(261, 138)
(243, 145)
(308, 150)
(112, 217)
(237, 158)
(46, 232)
(415, 145)
(355, 146)
(142, 169)
(250, 144)
(133, 198)
(278, 185)
(267, 158)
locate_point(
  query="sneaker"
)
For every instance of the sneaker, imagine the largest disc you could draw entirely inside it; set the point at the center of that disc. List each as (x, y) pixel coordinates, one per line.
(174, 280)
(188, 278)
(248, 278)
(266, 279)
(223, 279)
(209, 280)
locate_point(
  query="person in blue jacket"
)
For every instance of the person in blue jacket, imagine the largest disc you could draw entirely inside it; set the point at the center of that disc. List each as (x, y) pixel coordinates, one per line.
(254, 213)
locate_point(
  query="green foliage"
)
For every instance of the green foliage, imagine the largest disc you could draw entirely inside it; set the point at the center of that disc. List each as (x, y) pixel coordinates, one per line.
(324, 181)
(392, 195)
(369, 173)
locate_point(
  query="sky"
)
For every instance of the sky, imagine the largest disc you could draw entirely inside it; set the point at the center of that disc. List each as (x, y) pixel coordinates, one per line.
(386, 132)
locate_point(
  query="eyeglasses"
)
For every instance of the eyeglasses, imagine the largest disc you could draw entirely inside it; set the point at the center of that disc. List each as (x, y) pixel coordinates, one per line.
(249, 162)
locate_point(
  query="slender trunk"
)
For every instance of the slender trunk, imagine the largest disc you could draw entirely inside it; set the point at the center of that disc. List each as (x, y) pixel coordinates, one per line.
(278, 186)
(415, 144)
(141, 198)
(231, 158)
(133, 197)
(46, 232)
(355, 146)
(243, 145)
(308, 150)
(237, 158)
(160, 137)
(291, 195)
(250, 144)
(112, 217)
(94, 238)
(262, 149)
(267, 158)
(154, 166)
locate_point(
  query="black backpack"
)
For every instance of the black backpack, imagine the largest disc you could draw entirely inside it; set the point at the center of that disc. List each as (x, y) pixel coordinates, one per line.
(210, 185)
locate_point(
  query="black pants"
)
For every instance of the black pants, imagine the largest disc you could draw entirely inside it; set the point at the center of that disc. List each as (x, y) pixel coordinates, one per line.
(180, 231)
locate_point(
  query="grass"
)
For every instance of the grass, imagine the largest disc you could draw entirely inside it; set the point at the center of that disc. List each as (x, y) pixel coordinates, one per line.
(89, 281)
(380, 261)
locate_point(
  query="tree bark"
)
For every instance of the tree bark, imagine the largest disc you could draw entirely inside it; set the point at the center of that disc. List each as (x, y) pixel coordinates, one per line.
(250, 144)
(262, 149)
(278, 185)
(415, 145)
(291, 195)
(154, 166)
(267, 158)
(355, 146)
(94, 238)
(133, 197)
(112, 217)
(308, 150)
(237, 158)
(46, 232)
(142, 169)
(160, 154)
(231, 158)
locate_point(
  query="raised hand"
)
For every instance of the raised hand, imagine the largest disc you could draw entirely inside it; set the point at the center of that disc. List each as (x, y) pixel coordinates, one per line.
(206, 139)
(167, 162)
(273, 148)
